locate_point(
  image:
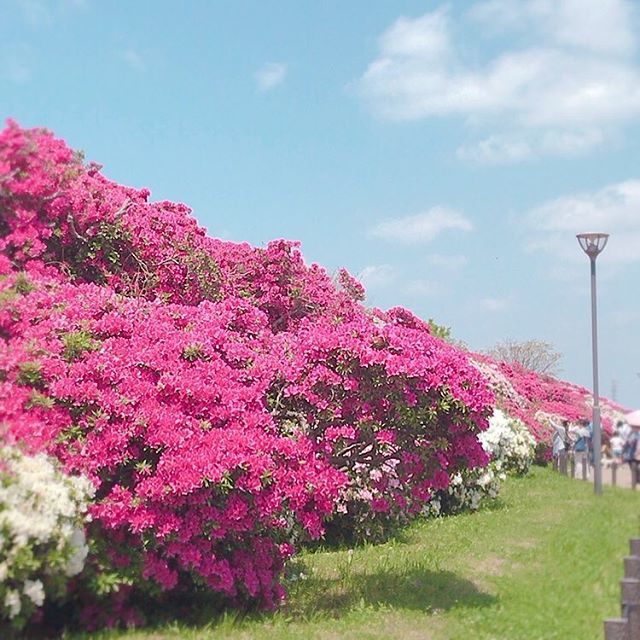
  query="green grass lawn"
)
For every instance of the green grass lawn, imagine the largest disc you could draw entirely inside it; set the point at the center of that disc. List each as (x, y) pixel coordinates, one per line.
(543, 562)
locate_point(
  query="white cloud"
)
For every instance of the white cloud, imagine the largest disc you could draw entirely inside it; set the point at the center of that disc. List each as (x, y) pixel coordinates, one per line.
(16, 63)
(422, 227)
(134, 60)
(623, 317)
(447, 261)
(568, 79)
(271, 75)
(418, 288)
(615, 209)
(40, 14)
(425, 37)
(377, 276)
(603, 26)
(35, 12)
(384, 275)
(498, 149)
(571, 142)
(494, 304)
(523, 145)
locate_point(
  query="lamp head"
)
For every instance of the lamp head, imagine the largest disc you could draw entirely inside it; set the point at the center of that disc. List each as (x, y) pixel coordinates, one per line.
(593, 243)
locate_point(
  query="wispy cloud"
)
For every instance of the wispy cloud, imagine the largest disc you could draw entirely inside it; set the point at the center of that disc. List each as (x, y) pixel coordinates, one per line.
(624, 317)
(497, 149)
(39, 14)
(451, 262)
(513, 147)
(134, 60)
(494, 305)
(271, 75)
(418, 288)
(422, 227)
(377, 276)
(567, 82)
(16, 63)
(614, 209)
(35, 12)
(383, 276)
(600, 26)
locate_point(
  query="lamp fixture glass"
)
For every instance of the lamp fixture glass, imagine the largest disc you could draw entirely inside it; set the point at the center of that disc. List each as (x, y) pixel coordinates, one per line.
(593, 243)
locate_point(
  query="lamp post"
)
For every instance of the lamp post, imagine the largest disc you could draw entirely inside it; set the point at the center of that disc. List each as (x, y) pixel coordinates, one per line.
(593, 244)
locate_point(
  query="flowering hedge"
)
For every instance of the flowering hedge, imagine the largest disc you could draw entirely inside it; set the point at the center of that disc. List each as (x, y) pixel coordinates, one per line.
(42, 542)
(509, 443)
(468, 490)
(511, 450)
(225, 401)
(540, 400)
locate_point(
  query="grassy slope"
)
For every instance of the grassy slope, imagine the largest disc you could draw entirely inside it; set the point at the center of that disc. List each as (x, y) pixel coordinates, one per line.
(542, 563)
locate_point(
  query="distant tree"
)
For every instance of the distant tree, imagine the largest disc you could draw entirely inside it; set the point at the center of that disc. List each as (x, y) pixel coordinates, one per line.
(536, 355)
(440, 331)
(444, 333)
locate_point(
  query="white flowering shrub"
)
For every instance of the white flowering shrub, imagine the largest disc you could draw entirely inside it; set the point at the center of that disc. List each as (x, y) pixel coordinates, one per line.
(511, 449)
(467, 490)
(509, 443)
(42, 543)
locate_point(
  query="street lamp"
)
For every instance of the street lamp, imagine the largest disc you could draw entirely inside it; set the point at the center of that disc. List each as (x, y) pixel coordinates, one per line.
(593, 244)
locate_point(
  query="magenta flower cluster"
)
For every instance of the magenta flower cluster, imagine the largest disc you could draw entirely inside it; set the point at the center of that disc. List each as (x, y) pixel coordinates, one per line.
(227, 402)
(540, 400)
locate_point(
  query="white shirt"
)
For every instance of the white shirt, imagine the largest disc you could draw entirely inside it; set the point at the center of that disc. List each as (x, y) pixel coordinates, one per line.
(616, 444)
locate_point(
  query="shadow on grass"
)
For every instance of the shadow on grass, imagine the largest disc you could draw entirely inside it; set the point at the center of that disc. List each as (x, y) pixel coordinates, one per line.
(416, 589)
(316, 598)
(402, 535)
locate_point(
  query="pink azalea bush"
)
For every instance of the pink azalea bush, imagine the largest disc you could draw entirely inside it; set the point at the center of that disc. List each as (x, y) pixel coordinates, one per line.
(538, 400)
(226, 402)
(510, 447)
(387, 406)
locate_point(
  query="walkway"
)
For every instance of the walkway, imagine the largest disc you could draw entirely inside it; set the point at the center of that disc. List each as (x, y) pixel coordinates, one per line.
(612, 473)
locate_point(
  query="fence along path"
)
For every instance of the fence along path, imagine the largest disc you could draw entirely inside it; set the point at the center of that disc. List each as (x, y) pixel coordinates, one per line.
(627, 626)
(613, 473)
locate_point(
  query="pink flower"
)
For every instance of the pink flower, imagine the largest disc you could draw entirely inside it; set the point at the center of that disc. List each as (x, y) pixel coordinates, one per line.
(223, 398)
(386, 436)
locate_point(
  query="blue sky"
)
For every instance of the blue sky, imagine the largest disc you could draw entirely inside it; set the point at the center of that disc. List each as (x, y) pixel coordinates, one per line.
(446, 152)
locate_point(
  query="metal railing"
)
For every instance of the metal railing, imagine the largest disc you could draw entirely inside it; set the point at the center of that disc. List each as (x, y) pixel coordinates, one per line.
(627, 626)
(565, 463)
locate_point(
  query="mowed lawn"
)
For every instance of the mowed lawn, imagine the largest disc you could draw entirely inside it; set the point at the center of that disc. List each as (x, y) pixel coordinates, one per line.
(543, 562)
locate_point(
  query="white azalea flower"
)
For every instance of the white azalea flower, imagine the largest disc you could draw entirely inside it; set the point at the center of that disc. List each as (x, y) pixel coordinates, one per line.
(12, 603)
(34, 590)
(43, 509)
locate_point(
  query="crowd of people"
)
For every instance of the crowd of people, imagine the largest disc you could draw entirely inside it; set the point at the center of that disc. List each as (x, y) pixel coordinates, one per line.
(576, 440)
